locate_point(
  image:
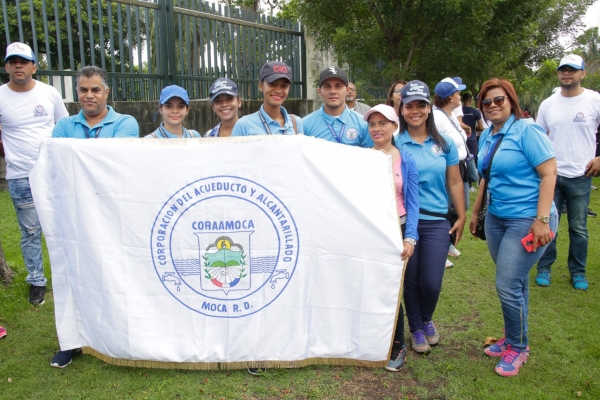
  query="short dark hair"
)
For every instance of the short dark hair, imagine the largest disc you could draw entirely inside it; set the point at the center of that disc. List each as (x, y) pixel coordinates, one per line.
(510, 92)
(90, 71)
(466, 97)
(439, 102)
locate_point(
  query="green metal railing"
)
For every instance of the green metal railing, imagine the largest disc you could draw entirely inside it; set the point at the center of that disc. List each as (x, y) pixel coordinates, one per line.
(146, 45)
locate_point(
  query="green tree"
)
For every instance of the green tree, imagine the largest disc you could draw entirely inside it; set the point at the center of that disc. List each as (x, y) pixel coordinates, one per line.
(383, 40)
(83, 26)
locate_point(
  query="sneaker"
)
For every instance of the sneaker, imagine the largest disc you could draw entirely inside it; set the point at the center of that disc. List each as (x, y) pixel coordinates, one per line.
(63, 358)
(419, 342)
(497, 349)
(398, 358)
(579, 282)
(2, 332)
(590, 213)
(431, 334)
(36, 295)
(594, 187)
(472, 189)
(449, 264)
(256, 371)
(543, 279)
(453, 251)
(511, 361)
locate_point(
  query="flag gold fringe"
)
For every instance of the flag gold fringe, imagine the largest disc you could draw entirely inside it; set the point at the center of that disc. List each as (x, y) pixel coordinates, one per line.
(232, 365)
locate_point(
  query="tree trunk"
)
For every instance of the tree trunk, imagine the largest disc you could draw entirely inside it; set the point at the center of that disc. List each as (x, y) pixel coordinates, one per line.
(6, 274)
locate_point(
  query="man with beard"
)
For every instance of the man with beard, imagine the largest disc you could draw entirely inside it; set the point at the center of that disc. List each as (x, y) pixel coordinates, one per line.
(352, 100)
(571, 118)
(334, 121)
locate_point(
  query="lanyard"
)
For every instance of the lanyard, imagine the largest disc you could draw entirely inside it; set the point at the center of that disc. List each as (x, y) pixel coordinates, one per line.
(489, 154)
(264, 122)
(335, 135)
(86, 130)
(184, 135)
(215, 131)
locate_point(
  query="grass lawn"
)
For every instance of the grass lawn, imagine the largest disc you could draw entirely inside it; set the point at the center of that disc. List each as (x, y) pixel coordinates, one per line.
(564, 361)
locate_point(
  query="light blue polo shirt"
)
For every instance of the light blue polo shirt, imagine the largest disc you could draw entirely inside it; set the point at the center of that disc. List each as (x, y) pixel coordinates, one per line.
(349, 128)
(114, 125)
(162, 133)
(252, 124)
(514, 185)
(432, 162)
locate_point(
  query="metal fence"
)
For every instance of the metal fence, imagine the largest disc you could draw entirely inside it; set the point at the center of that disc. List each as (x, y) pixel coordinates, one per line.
(146, 45)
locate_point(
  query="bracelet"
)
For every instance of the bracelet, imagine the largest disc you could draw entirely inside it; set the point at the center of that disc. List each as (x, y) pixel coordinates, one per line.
(411, 241)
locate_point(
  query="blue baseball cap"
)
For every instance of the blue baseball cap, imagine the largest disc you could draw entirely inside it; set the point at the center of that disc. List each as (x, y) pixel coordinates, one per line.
(174, 91)
(18, 49)
(222, 86)
(447, 87)
(458, 80)
(572, 60)
(415, 91)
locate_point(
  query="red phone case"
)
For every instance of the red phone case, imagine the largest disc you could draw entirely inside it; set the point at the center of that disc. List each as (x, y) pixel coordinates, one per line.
(528, 241)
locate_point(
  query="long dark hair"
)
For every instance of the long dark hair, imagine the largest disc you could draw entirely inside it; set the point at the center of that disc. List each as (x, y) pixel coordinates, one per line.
(431, 130)
(390, 101)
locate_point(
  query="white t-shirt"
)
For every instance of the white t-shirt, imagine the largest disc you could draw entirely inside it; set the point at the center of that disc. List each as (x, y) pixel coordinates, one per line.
(443, 125)
(572, 123)
(27, 118)
(458, 112)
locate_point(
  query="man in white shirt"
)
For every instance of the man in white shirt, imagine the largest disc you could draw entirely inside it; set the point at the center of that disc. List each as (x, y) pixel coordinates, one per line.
(571, 118)
(28, 111)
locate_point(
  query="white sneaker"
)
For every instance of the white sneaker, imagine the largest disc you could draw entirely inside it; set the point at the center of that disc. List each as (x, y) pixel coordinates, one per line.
(594, 187)
(453, 251)
(449, 264)
(472, 189)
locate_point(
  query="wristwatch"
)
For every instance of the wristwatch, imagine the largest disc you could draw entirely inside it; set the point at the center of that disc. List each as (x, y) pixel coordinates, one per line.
(411, 241)
(543, 218)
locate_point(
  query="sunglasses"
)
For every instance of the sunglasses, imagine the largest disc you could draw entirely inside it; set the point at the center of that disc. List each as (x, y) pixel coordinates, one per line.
(498, 100)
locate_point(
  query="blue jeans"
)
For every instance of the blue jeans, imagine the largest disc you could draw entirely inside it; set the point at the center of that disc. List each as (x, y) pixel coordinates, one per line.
(576, 191)
(425, 272)
(513, 264)
(31, 231)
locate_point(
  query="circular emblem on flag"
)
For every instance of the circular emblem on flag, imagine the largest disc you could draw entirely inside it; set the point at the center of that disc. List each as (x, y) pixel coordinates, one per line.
(351, 134)
(437, 150)
(224, 246)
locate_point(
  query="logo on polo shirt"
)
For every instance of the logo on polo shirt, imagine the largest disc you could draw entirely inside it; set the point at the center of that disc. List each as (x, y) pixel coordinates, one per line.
(579, 117)
(351, 134)
(436, 149)
(39, 111)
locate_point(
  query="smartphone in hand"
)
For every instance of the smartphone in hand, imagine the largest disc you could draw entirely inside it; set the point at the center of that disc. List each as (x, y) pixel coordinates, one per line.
(528, 241)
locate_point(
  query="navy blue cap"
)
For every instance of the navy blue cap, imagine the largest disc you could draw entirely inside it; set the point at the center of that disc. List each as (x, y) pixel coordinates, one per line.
(415, 91)
(222, 86)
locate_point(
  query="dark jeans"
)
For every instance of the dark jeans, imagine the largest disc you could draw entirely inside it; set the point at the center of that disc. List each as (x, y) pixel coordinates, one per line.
(399, 332)
(576, 191)
(425, 272)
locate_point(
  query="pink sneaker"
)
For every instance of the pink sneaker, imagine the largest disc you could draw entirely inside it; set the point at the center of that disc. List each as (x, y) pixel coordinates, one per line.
(511, 361)
(497, 349)
(2, 332)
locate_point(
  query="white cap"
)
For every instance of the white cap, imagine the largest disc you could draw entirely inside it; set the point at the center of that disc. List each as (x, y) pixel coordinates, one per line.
(572, 60)
(22, 50)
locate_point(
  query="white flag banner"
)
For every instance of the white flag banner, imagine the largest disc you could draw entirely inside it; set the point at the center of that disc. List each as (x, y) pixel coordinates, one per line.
(221, 253)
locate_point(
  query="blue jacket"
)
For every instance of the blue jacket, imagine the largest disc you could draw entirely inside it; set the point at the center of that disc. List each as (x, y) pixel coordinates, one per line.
(410, 190)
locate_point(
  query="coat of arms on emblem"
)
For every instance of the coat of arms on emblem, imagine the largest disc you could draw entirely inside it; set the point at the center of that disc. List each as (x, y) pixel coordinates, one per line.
(225, 263)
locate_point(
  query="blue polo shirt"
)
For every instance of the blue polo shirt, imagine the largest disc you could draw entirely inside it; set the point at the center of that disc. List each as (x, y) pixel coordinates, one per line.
(114, 125)
(514, 185)
(432, 163)
(350, 127)
(162, 133)
(252, 124)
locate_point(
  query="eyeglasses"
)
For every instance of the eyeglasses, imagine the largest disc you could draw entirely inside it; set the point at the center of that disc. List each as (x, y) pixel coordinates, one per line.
(498, 100)
(570, 71)
(398, 91)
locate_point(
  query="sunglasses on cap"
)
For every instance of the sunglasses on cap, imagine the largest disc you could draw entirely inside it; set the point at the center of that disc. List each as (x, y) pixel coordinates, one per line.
(498, 100)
